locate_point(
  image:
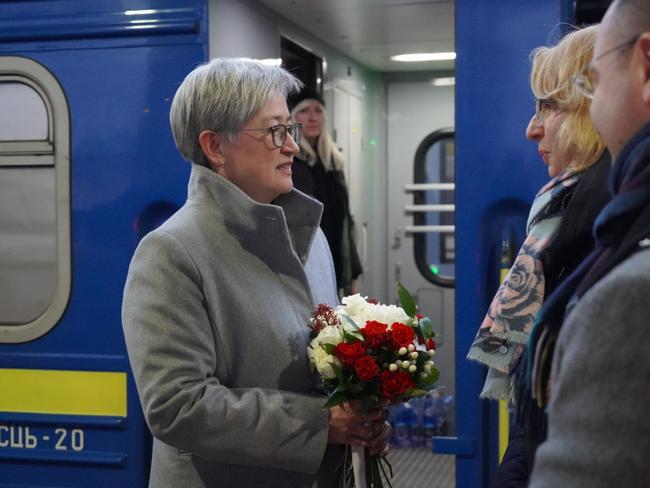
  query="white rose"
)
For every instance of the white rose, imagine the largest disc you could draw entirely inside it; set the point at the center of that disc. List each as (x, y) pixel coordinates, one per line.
(356, 308)
(354, 305)
(323, 362)
(389, 314)
(329, 334)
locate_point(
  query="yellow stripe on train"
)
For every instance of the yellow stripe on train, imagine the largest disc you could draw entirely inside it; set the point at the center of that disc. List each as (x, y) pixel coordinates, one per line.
(63, 392)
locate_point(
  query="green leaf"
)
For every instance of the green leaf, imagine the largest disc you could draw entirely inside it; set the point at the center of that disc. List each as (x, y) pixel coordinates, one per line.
(329, 348)
(418, 331)
(352, 323)
(352, 337)
(406, 300)
(431, 377)
(426, 327)
(336, 399)
(415, 392)
(338, 371)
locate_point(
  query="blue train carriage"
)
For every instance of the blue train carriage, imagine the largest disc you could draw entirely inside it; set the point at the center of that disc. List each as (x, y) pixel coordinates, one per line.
(87, 166)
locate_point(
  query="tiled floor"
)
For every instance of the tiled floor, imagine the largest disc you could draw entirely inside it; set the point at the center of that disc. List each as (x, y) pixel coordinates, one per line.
(419, 468)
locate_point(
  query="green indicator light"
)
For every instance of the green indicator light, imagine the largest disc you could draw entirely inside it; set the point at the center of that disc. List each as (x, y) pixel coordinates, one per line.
(373, 142)
(434, 269)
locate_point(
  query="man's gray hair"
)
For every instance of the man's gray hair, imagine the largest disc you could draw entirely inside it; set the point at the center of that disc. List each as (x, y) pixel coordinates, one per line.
(222, 95)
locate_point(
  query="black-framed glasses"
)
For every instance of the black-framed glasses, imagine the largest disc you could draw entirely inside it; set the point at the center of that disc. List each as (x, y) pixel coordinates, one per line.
(279, 133)
(544, 106)
(586, 81)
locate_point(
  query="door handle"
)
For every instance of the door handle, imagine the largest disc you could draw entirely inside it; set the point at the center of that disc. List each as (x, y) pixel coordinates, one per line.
(397, 239)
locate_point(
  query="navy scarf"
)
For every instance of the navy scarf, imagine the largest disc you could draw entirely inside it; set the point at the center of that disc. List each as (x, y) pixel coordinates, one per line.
(618, 229)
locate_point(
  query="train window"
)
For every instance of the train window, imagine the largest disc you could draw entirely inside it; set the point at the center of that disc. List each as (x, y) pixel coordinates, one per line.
(434, 207)
(24, 114)
(34, 200)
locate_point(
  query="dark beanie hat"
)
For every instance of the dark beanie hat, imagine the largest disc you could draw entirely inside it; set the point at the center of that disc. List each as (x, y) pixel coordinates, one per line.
(305, 94)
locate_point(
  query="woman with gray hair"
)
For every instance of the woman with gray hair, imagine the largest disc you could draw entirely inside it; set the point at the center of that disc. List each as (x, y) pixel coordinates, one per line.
(217, 300)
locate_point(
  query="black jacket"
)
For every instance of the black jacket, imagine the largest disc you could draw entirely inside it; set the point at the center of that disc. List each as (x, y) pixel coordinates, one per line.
(329, 188)
(572, 243)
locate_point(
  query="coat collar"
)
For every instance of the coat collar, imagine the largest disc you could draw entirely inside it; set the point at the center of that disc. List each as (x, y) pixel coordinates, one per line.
(294, 213)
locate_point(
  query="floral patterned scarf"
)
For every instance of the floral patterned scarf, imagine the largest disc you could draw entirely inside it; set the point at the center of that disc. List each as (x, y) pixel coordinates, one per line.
(621, 229)
(502, 336)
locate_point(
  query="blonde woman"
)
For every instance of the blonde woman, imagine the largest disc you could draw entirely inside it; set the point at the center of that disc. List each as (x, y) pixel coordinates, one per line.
(318, 171)
(558, 238)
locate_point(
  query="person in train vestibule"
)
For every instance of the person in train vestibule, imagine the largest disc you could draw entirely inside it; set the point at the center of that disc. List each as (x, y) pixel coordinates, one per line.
(598, 422)
(558, 237)
(318, 171)
(218, 298)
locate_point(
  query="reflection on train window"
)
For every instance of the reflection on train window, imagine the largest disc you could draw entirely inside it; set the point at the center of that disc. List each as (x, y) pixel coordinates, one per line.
(28, 245)
(435, 244)
(34, 200)
(24, 115)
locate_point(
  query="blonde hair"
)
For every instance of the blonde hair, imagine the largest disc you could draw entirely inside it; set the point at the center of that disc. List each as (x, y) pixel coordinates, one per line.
(552, 77)
(328, 153)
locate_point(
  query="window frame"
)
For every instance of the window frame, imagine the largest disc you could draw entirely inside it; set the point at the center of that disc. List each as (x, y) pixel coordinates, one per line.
(53, 152)
(419, 198)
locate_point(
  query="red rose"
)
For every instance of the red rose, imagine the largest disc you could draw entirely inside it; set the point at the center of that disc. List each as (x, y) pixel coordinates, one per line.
(374, 333)
(394, 383)
(348, 353)
(431, 344)
(366, 368)
(401, 335)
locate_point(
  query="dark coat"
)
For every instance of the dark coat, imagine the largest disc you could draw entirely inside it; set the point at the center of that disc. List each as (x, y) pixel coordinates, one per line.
(573, 242)
(330, 189)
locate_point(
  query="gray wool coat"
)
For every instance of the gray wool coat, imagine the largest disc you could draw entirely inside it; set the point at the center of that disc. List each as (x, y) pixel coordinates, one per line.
(215, 315)
(599, 414)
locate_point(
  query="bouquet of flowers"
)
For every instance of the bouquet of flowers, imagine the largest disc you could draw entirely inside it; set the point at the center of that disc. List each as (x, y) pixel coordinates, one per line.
(371, 352)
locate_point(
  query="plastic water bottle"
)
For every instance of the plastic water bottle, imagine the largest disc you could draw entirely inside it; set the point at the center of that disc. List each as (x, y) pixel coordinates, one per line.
(430, 419)
(400, 429)
(410, 419)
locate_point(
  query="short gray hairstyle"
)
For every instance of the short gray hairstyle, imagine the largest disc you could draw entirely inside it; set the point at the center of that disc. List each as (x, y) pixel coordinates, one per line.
(632, 16)
(222, 95)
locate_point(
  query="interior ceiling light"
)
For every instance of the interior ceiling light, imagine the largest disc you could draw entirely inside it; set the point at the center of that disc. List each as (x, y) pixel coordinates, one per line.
(446, 81)
(140, 12)
(271, 61)
(415, 57)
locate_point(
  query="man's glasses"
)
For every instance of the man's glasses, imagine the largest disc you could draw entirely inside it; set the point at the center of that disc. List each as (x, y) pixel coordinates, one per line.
(587, 80)
(279, 133)
(544, 106)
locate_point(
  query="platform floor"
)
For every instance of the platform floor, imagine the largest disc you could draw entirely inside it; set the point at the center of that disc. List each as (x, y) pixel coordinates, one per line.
(419, 468)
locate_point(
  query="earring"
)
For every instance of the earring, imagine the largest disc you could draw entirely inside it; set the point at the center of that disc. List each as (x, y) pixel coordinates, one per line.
(221, 162)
